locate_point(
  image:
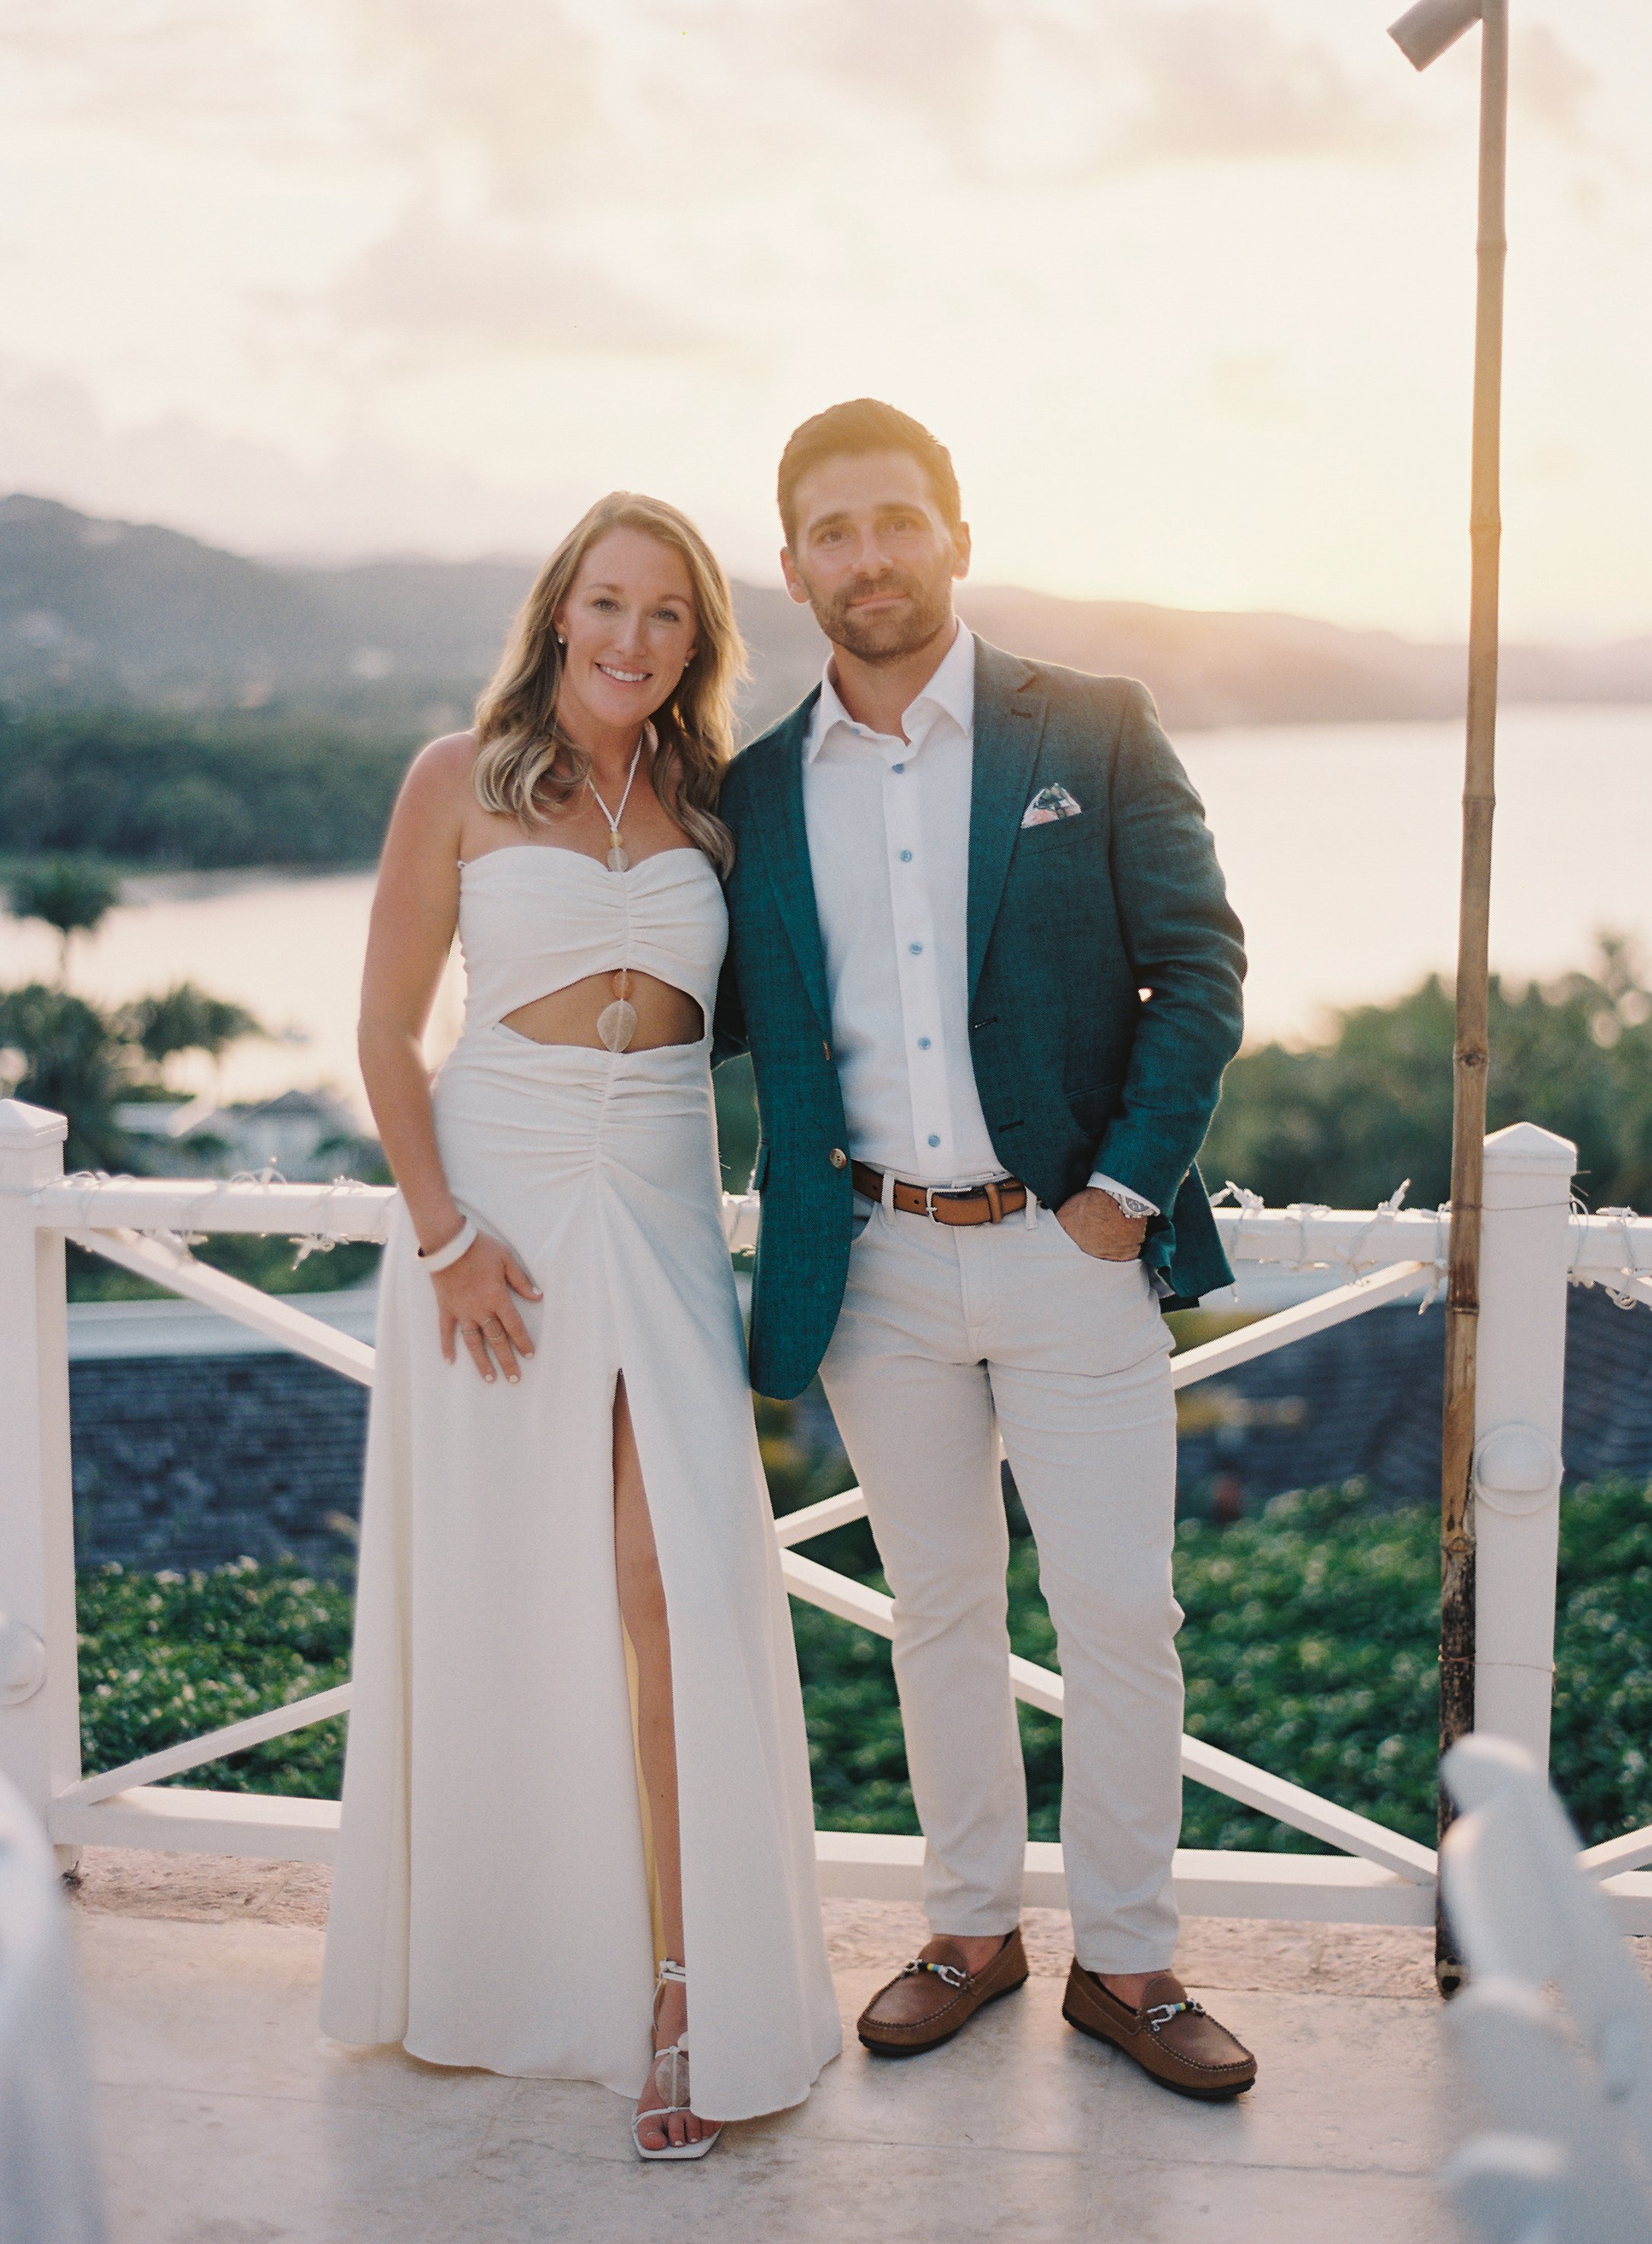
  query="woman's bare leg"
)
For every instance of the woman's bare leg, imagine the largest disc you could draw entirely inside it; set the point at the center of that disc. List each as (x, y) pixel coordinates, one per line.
(642, 1607)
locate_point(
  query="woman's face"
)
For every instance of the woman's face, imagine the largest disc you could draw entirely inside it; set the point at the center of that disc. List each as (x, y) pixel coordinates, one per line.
(628, 629)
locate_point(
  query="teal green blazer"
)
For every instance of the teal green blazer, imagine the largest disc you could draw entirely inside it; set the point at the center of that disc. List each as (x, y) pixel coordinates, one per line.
(1105, 969)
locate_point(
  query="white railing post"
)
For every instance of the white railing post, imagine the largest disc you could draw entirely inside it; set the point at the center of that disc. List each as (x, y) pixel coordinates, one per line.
(1517, 1431)
(39, 1689)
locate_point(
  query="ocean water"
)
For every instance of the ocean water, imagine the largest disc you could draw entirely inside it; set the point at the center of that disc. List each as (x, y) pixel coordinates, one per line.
(1340, 844)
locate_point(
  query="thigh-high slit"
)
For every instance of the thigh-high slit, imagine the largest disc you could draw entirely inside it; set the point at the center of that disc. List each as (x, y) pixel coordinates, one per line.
(491, 1900)
(648, 1638)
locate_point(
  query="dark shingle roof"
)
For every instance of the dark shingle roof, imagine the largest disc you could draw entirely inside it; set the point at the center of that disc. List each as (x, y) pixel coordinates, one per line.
(1364, 1399)
(191, 1460)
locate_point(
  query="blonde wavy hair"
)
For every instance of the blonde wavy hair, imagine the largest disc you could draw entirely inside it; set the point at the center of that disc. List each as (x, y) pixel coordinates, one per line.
(528, 759)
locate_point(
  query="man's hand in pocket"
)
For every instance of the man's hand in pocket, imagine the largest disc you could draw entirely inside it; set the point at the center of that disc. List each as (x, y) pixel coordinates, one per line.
(1094, 1221)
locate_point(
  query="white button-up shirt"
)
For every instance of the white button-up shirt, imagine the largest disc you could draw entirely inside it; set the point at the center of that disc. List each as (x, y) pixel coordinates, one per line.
(889, 844)
(888, 819)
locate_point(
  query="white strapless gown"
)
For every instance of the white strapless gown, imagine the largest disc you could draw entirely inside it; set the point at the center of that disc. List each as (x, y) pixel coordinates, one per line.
(491, 1903)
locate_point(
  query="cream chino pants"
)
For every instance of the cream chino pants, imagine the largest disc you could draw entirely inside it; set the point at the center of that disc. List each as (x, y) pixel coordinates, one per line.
(945, 1337)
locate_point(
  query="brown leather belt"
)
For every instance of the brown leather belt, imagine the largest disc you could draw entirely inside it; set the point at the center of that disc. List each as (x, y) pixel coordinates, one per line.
(988, 1203)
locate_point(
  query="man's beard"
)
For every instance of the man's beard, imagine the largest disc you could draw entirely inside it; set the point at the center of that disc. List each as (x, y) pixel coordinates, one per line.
(895, 632)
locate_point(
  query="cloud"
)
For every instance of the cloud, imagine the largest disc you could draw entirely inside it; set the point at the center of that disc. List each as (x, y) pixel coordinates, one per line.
(517, 84)
(1047, 88)
(1550, 86)
(429, 282)
(932, 61)
(505, 87)
(366, 496)
(182, 69)
(1222, 81)
(529, 105)
(1251, 386)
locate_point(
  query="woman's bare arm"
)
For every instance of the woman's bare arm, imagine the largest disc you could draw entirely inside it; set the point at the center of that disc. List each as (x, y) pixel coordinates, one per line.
(415, 911)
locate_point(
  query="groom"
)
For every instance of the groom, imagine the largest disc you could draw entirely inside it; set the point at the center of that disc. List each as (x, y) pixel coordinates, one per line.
(982, 958)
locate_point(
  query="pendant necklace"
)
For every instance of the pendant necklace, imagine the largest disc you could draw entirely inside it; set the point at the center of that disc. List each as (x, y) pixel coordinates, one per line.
(617, 1024)
(619, 862)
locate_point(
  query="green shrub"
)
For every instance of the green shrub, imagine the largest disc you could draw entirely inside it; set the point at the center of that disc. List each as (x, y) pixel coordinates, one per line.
(1309, 1649)
(167, 1656)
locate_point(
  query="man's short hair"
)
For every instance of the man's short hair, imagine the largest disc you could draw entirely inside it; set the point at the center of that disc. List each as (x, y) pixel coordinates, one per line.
(864, 425)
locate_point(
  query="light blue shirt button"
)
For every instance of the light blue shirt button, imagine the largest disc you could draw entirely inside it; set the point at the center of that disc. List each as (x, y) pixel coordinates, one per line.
(914, 948)
(934, 1140)
(922, 1043)
(900, 767)
(906, 856)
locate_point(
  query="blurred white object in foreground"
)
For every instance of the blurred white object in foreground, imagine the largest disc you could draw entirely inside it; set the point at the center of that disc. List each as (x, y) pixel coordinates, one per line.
(1567, 2085)
(50, 2192)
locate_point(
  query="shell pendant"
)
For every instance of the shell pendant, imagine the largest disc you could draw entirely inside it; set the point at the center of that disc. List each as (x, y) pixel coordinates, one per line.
(618, 861)
(617, 1024)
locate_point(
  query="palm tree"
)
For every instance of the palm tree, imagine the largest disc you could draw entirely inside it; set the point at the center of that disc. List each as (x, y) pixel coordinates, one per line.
(75, 1063)
(185, 1018)
(71, 893)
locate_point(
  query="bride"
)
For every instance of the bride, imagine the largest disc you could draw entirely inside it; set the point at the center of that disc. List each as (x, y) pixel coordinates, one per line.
(576, 1805)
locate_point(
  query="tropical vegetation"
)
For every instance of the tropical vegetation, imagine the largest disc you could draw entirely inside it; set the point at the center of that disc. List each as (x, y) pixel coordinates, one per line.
(85, 1061)
(1345, 1120)
(74, 895)
(1309, 1649)
(90, 1062)
(213, 788)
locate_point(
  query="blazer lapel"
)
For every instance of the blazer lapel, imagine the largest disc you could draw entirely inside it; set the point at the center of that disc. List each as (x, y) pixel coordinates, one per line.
(785, 841)
(1009, 729)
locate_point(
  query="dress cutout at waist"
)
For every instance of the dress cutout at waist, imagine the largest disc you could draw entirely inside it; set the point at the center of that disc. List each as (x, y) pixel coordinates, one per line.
(534, 919)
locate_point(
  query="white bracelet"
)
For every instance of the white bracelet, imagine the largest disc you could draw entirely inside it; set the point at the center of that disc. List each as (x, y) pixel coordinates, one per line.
(444, 1258)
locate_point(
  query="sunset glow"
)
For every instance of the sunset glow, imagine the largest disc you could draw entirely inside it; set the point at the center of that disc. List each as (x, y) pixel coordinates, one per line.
(1186, 288)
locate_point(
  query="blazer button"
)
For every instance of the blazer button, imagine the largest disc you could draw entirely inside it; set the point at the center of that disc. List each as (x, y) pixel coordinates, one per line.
(838, 1158)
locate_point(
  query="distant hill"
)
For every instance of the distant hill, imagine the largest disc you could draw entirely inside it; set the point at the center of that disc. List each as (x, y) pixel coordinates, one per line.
(92, 610)
(1211, 669)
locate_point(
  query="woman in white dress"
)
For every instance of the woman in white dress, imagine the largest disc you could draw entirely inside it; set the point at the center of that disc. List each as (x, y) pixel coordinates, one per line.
(572, 1650)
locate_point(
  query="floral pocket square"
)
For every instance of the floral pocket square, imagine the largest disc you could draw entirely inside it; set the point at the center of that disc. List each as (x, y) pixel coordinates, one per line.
(1049, 804)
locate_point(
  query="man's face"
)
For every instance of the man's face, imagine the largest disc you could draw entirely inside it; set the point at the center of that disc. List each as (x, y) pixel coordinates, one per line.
(873, 555)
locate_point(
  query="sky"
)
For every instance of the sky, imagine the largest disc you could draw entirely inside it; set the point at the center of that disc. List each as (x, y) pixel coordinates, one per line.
(1186, 285)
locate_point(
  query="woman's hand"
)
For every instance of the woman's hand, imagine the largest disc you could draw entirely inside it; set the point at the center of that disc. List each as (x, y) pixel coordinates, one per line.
(476, 1297)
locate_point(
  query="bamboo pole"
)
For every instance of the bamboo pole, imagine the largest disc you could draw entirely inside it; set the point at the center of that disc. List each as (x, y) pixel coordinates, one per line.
(1471, 1055)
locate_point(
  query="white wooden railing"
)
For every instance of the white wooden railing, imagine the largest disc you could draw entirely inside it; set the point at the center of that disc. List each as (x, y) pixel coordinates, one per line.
(1535, 1246)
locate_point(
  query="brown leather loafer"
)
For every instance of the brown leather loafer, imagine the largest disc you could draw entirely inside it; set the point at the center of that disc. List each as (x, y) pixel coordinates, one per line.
(935, 1996)
(1175, 2040)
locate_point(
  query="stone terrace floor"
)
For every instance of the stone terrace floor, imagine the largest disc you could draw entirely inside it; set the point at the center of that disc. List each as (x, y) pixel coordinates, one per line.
(225, 2119)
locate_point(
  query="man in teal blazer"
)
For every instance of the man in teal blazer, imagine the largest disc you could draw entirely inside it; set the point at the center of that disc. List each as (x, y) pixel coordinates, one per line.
(982, 958)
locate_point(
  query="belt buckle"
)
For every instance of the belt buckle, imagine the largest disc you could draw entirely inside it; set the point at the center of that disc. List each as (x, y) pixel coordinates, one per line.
(929, 1204)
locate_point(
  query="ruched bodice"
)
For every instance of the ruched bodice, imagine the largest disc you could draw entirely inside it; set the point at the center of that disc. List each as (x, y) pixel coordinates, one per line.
(491, 1899)
(533, 918)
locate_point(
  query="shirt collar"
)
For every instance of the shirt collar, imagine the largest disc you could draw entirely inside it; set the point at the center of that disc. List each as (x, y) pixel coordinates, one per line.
(950, 694)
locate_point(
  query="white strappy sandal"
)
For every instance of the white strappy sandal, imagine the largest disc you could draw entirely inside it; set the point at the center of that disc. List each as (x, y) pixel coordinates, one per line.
(673, 2084)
